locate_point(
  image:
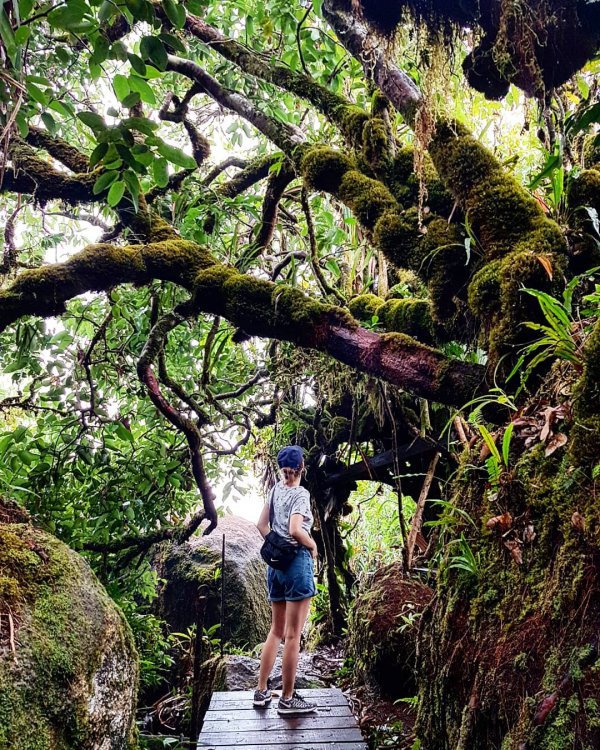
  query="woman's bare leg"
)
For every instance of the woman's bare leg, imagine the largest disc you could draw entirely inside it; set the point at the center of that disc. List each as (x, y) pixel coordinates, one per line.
(295, 617)
(271, 646)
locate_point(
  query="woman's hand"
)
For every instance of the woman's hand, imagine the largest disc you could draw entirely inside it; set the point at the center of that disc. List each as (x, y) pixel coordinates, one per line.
(314, 551)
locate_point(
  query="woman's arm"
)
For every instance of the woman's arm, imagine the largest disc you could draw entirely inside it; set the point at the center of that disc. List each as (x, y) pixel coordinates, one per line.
(263, 522)
(300, 535)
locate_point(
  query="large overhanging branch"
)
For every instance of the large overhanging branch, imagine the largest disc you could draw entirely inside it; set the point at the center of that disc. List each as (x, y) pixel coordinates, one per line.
(360, 41)
(260, 307)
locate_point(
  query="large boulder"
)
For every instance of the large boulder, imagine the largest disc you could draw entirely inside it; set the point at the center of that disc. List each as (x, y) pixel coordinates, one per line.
(238, 672)
(383, 628)
(68, 665)
(191, 569)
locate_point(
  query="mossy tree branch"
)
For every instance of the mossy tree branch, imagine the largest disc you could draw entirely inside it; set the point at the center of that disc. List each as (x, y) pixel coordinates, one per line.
(30, 174)
(59, 149)
(360, 41)
(260, 307)
(335, 107)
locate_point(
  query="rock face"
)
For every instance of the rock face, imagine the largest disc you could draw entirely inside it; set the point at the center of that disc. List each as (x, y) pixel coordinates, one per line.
(192, 569)
(383, 630)
(68, 666)
(241, 673)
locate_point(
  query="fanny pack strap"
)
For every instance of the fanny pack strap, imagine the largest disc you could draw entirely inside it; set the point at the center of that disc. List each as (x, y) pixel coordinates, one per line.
(271, 509)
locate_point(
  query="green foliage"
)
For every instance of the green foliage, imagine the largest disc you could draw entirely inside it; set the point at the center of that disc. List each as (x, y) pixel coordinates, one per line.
(565, 330)
(372, 531)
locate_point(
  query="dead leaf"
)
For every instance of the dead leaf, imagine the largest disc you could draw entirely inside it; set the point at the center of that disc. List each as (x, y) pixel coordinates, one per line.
(484, 452)
(549, 415)
(514, 547)
(500, 523)
(546, 264)
(555, 442)
(578, 521)
(529, 534)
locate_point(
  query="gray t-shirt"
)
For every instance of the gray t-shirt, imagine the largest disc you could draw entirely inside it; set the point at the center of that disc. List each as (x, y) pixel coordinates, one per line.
(286, 502)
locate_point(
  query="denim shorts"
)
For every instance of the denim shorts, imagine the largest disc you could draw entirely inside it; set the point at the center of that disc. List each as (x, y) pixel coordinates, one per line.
(296, 582)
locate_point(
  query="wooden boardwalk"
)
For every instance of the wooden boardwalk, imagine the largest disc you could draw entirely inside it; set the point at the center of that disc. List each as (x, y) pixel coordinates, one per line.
(232, 722)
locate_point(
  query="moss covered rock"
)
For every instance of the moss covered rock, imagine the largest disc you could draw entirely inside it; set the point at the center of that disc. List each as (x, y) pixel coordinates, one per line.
(192, 569)
(383, 630)
(68, 666)
(508, 657)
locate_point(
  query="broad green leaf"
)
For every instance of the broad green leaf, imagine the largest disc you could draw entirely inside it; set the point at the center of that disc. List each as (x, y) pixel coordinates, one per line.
(49, 122)
(121, 87)
(22, 34)
(143, 124)
(131, 100)
(8, 37)
(176, 156)
(160, 172)
(143, 89)
(92, 120)
(172, 41)
(98, 154)
(137, 64)
(70, 16)
(153, 49)
(175, 13)
(105, 179)
(36, 94)
(116, 192)
(62, 109)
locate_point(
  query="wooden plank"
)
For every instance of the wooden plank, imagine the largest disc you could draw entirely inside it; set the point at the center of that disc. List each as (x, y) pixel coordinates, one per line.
(278, 723)
(293, 746)
(296, 738)
(337, 699)
(247, 710)
(243, 694)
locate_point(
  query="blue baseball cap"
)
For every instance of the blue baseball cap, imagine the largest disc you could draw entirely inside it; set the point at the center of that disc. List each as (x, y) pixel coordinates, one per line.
(290, 457)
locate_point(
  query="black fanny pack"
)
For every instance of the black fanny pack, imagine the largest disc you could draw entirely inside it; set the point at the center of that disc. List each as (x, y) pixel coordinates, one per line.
(276, 551)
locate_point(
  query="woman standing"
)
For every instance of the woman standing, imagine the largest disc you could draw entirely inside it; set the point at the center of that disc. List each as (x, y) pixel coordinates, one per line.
(290, 590)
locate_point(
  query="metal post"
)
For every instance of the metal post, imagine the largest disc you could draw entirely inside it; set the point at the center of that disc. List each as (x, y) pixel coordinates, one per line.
(221, 629)
(195, 718)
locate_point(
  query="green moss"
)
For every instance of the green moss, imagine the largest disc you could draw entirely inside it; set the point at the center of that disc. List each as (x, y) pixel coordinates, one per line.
(65, 624)
(365, 306)
(395, 234)
(478, 635)
(383, 627)
(262, 308)
(484, 290)
(380, 104)
(323, 168)
(591, 151)
(407, 284)
(405, 184)
(585, 441)
(51, 183)
(376, 145)
(496, 297)
(367, 198)
(352, 120)
(584, 190)
(410, 316)
(500, 210)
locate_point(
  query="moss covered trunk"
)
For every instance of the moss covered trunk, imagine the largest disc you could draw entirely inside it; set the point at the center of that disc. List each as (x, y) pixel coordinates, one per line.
(508, 655)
